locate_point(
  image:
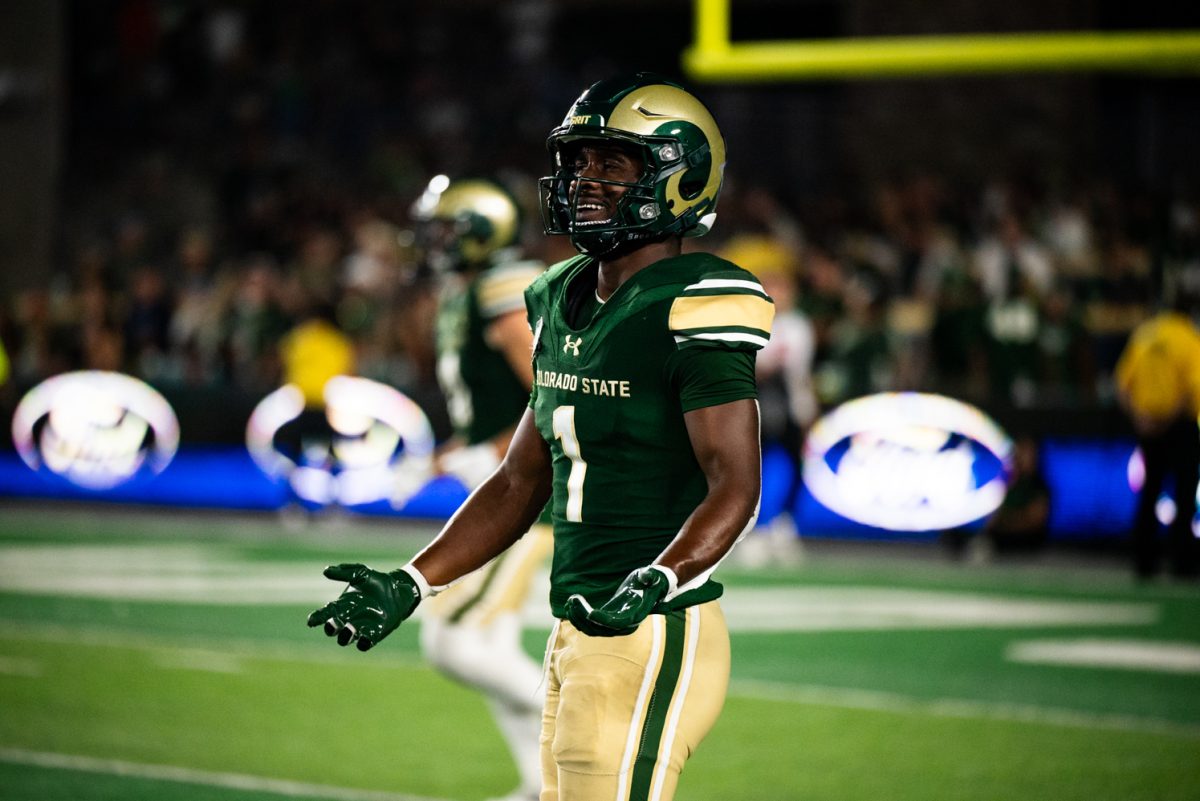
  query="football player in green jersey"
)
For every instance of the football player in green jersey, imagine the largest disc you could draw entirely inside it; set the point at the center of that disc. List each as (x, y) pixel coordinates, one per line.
(642, 431)
(468, 231)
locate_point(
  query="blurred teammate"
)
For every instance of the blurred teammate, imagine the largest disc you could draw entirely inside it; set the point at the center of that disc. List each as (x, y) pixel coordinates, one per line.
(312, 352)
(472, 632)
(642, 430)
(1158, 384)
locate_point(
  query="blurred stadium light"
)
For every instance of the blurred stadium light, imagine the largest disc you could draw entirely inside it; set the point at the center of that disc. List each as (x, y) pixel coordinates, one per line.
(95, 429)
(376, 445)
(908, 461)
(715, 57)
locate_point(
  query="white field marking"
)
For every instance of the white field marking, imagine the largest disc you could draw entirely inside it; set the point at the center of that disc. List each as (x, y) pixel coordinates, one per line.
(184, 573)
(172, 773)
(166, 652)
(213, 574)
(805, 694)
(16, 666)
(876, 608)
(1164, 657)
(191, 573)
(198, 659)
(876, 701)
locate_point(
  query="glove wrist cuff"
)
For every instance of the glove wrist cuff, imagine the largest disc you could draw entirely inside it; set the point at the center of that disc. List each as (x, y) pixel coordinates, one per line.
(423, 586)
(672, 579)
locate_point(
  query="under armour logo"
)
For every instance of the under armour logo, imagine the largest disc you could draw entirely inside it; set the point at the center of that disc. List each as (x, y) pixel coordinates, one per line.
(573, 346)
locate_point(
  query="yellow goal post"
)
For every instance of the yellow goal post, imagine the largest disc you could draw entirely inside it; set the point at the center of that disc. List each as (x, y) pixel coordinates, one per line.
(714, 57)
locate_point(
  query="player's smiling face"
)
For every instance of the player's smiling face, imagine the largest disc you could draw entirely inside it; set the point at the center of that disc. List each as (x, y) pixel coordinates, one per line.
(609, 166)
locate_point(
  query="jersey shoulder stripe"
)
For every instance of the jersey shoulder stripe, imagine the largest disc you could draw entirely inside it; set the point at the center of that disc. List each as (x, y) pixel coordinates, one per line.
(710, 286)
(502, 289)
(724, 308)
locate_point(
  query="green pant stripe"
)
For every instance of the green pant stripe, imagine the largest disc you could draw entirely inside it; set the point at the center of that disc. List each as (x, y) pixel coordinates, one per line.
(660, 703)
(473, 601)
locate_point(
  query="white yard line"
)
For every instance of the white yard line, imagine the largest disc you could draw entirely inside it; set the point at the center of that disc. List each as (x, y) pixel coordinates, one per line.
(16, 666)
(213, 574)
(1163, 657)
(203, 660)
(240, 651)
(174, 773)
(876, 701)
(196, 650)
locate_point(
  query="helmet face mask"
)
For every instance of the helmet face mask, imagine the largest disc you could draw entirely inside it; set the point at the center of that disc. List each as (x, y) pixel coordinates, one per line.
(626, 223)
(678, 143)
(464, 224)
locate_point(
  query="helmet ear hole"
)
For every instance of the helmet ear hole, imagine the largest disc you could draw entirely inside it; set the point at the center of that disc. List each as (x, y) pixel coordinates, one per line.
(696, 178)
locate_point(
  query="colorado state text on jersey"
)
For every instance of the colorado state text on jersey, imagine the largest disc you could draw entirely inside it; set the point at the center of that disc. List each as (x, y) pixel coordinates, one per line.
(588, 386)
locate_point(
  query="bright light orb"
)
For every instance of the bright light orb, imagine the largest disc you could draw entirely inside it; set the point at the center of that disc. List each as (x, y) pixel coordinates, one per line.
(379, 444)
(95, 429)
(907, 461)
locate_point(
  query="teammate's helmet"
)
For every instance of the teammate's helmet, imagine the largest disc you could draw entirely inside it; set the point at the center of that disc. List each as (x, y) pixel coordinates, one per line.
(465, 223)
(679, 144)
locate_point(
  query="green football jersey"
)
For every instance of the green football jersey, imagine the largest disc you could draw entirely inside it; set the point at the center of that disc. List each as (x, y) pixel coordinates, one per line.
(610, 393)
(483, 396)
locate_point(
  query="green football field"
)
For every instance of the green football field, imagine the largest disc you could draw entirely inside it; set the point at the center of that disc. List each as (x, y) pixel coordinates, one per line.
(163, 655)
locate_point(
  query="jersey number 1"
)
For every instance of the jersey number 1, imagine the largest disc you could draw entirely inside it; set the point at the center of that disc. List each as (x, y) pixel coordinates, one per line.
(564, 429)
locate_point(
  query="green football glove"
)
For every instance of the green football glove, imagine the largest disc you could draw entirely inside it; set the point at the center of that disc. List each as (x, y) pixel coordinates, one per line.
(636, 598)
(370, 608)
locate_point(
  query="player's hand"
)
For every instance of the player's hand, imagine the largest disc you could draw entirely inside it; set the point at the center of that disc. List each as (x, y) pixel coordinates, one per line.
(370, 609)
(636, 598)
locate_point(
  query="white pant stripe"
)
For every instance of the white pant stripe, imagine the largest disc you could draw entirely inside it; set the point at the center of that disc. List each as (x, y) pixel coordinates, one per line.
(668, 741)
(658, 628)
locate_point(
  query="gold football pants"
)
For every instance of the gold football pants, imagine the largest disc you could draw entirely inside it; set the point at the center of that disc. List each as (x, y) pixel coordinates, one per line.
(624, 713)
(501, 586)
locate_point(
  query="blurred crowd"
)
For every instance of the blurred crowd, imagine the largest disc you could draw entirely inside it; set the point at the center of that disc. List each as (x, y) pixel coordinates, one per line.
(1013, 305)
(1006, 294)
(226, 175)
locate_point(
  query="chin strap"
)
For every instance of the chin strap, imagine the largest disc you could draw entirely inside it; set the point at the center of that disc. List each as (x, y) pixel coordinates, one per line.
(623, 242)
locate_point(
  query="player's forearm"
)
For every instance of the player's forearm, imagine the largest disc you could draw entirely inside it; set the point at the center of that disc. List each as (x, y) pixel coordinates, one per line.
(494, 517)
(725, 440)
(712, 529)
